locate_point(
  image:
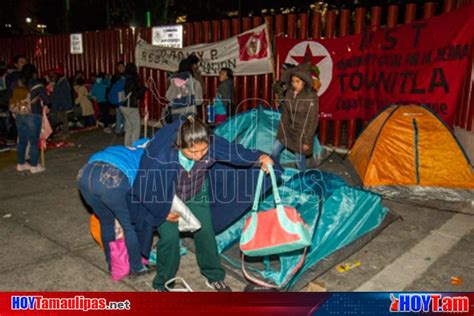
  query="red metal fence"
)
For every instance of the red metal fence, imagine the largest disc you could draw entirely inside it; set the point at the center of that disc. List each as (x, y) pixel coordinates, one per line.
(102, 49)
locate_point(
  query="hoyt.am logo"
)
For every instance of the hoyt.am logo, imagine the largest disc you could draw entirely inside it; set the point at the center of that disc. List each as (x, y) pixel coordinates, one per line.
(428, 302)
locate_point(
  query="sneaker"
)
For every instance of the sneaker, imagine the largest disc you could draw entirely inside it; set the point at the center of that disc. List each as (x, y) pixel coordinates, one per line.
(23, 167)
(219, 286)
(37, 169)
(11, 142)
(144, 270)
(4, 148)
(150, 267)
(108, 130)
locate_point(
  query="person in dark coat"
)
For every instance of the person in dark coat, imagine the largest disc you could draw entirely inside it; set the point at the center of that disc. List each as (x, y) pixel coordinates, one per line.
(215, 179)
(225, 93)
(300, 116)
(61, 100)
(134, 91)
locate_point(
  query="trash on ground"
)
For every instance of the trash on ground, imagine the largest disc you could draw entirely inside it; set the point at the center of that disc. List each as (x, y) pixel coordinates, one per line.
(348, 266)
(316, 286)
(456, 280)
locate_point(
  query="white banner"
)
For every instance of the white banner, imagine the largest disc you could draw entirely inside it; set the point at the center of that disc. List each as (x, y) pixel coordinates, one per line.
(248, 53)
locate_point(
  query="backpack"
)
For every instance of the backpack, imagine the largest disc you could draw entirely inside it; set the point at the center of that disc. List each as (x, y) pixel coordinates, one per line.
(21, 101)
(181, 91)
(117, 93)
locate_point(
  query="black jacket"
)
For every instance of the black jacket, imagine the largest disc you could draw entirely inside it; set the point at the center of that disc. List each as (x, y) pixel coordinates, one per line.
(134, 91)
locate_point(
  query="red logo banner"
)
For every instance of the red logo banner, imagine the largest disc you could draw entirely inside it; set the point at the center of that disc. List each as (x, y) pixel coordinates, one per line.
(424, 62)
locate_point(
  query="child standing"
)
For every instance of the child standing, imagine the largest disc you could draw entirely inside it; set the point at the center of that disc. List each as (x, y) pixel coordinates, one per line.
(225, 95)
(99, 94)
(299, 118)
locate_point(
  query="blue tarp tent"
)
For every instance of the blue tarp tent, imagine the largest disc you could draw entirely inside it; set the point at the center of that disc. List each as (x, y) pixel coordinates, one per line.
(336, 213)
(257, 129)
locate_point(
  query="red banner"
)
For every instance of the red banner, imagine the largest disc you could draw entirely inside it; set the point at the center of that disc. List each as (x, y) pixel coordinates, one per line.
(424, 62)
(229, 304)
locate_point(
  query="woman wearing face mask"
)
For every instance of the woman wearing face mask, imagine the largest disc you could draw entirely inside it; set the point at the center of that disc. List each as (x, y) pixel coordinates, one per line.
(299, 116)
(216, 179)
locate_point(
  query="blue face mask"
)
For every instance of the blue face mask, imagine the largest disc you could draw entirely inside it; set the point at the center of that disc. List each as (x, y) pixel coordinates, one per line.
(98, 80)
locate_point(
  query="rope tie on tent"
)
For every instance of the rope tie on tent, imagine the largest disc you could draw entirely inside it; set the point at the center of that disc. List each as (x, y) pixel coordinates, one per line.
(155, 91)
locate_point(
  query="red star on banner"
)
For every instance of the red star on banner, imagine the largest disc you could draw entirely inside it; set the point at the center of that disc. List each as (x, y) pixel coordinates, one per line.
(308, 56)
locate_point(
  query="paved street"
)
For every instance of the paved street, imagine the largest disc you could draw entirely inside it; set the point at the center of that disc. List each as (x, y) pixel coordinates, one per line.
(45, 242)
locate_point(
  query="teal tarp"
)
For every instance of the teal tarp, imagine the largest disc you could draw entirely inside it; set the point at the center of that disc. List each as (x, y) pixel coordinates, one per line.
(257, 129)
(336, 213)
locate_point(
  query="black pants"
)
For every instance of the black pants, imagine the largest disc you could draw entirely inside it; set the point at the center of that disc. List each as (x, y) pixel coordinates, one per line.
(104, 113)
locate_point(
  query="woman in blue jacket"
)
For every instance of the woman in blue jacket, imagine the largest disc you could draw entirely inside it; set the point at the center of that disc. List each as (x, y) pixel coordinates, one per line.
(216, 179)
(104, 182)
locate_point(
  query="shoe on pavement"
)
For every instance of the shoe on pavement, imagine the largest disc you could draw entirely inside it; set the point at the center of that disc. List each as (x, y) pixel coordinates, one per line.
(134, 274)
(23, 167)
(219, 286)
(37, 169)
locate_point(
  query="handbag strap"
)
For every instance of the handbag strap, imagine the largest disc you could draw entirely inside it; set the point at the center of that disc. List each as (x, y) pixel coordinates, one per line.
(258, 190)
(297, 266)
(273, 286)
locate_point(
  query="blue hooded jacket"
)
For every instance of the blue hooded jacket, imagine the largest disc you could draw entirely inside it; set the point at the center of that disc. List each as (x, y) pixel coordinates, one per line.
(126, 159)
(232, 181)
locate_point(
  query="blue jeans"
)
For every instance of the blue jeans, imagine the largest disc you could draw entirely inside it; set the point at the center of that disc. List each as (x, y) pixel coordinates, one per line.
(29, 129)
(119, 121)
(104, 188)
(278, 148)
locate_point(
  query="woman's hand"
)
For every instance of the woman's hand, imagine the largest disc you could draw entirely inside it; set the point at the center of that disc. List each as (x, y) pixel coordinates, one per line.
(264, 160)
(306, 148)
(172, 217)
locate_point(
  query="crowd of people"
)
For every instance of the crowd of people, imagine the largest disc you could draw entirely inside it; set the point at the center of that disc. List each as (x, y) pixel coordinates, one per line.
(108, 102)
(184, 156)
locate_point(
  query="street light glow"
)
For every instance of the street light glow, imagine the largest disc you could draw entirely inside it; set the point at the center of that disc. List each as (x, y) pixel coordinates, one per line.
(28, 20)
